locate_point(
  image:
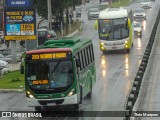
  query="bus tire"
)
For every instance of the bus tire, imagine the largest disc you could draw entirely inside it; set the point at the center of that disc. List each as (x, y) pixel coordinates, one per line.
(89, 95)
(76, 107)
(128, 50)
(81, 95)
(132, 44)
(37, 109)
(104, 52)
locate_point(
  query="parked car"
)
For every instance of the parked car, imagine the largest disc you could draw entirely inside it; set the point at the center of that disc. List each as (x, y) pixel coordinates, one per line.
(2, 57)
(138, 27)
(78, 12)
(139, 14)
(146, 4)
(104, 2)
(18, 57)
(3, 64)
(93, 13)
(87, 1)
(45, 34)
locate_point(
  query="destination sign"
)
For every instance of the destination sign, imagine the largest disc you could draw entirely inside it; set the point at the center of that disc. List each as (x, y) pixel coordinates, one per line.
(49, 56)
(40, 82)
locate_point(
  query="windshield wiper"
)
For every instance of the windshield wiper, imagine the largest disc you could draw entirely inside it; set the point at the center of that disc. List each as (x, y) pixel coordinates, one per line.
(56, 66)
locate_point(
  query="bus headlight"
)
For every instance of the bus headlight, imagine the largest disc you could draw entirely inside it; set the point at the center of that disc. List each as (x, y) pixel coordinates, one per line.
(126, 46)
(29, 94)
(102, 43)
(139, 31)
(126, 42)
(71, 93)
(102, 48)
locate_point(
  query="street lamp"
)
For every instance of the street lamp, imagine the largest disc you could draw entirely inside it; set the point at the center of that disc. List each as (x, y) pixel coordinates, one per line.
(49, 15)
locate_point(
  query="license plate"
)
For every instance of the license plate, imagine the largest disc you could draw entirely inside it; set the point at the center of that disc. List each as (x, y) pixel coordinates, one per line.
(51, 104)
(114, 47)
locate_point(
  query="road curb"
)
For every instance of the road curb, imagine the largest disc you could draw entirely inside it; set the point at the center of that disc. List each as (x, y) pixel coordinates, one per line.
(75, 32)
(11, 90)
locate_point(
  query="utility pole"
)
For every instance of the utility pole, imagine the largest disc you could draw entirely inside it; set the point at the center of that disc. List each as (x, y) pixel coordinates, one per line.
(49, 15)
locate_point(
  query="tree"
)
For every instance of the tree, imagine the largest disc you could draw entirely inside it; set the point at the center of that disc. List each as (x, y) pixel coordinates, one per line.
(59, 7)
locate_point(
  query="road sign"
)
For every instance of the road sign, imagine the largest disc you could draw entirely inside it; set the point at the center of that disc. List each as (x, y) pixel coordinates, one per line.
(18, 3)
(20, 24)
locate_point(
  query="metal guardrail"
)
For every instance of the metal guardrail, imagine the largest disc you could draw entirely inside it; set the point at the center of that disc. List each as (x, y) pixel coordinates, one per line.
(134, 92)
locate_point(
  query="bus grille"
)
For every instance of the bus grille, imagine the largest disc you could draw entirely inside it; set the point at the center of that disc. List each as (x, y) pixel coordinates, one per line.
(51, 101)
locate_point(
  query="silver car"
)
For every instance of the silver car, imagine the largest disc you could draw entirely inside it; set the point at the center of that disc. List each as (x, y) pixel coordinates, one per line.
(78, 12)
(146, 4)
(18, 57)
(2, 57)
(138, 29)
(3, 64)
(93, 13)
(140, 14)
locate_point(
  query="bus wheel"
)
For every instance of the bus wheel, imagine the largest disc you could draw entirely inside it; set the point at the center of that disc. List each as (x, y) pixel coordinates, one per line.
(89, 95)
(128, 50)
(76, 107)
(81, 95)
(104, 52)
(37, 109)
(132, 44)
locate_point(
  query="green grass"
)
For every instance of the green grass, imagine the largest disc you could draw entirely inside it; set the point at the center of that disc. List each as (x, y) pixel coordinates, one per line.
(121, 3)
(74, 27)
(117, 4)
(12, 80)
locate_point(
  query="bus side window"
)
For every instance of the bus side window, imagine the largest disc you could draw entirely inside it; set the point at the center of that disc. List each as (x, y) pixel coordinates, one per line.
(90, 50)
(92, 53)
(80, 60)
(86, 56)
(83, 56)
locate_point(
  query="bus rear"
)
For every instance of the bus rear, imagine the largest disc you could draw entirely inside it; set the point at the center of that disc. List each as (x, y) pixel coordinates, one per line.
(50, 77)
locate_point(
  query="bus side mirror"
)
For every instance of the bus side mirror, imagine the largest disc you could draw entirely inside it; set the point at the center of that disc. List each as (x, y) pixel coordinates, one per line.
(96, 25)
(128, 23)
(22, 69)
(77, 63)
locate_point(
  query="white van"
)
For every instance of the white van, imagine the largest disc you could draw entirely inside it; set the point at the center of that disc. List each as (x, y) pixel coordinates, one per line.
(104, 2)
(146, 4)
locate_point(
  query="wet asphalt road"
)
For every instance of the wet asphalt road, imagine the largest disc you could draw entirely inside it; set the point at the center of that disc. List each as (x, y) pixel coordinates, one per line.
(115, 73)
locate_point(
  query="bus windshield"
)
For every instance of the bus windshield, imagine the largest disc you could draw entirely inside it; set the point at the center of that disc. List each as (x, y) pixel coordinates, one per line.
(47, 76)
(113, 29)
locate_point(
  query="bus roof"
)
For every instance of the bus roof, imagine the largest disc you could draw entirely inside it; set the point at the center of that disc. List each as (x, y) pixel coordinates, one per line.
(64, 44)
(48, 50)
(113, 13)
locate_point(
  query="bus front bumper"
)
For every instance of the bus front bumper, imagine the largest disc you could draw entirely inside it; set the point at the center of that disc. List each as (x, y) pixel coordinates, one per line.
(114, 47)
(123, 44)
(32, 102)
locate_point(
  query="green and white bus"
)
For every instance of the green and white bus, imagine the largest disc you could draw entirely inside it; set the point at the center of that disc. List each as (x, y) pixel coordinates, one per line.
(62, 73)
(115, 29)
